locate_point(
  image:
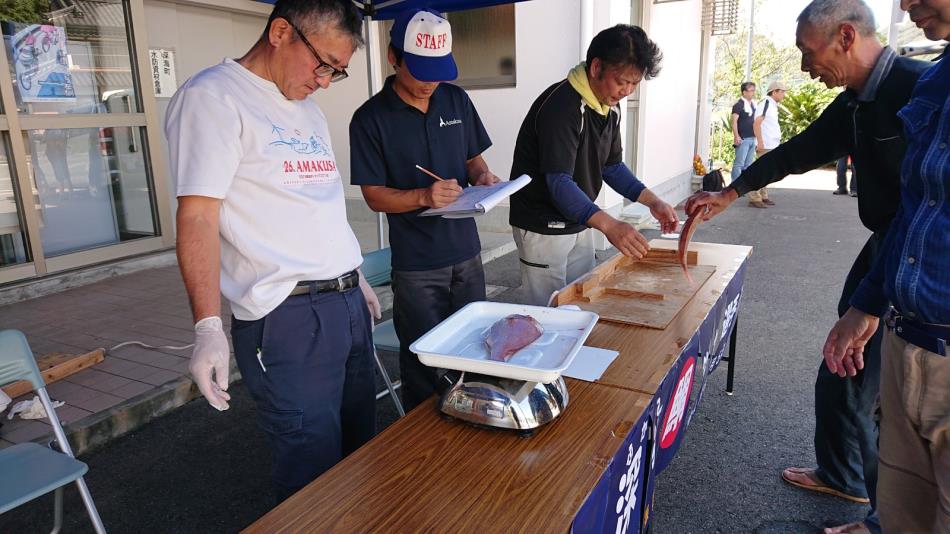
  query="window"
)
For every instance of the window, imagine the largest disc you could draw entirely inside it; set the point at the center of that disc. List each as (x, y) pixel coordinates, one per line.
(483, 44)
(13, 248)
(92, 187)
(74, 59)
(76, 181)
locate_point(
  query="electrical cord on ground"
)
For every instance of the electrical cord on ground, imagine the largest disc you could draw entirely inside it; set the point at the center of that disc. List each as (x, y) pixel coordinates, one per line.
(153, 347)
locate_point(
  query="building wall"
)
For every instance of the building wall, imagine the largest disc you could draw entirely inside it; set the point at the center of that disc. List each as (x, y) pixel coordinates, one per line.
(201, 35)
(669, 105)
(548, 44)
(546, 47)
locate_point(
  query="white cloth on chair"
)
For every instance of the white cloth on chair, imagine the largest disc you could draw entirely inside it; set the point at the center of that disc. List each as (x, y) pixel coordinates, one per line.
(31, 409)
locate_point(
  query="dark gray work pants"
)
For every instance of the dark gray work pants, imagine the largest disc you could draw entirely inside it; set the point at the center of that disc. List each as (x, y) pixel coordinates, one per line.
(421, 300)
(846, 434)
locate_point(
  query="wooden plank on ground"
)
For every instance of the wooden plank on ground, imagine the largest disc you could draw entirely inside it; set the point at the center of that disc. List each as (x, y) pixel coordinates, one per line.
(56, 366)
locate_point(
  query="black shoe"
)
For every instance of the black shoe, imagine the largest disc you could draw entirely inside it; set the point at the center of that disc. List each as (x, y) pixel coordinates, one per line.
(839, 192)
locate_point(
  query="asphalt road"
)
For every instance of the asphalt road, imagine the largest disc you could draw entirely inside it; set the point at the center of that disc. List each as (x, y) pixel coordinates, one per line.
(197, 470)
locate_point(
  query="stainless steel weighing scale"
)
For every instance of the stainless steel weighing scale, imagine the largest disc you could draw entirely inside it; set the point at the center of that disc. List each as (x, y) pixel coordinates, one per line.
(521, 394)
(504, 403)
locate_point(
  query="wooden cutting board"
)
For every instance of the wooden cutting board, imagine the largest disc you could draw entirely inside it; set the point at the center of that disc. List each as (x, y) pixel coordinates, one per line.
(649, 292)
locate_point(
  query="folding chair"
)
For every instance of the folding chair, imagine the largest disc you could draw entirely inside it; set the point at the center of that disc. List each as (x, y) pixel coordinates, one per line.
(29, 470)
(377, 268)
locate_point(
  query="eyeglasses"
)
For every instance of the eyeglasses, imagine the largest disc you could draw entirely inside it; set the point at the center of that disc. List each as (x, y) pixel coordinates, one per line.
(323, 69)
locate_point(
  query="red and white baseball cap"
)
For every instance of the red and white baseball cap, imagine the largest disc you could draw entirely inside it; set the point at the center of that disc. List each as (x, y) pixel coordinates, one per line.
(425, 39)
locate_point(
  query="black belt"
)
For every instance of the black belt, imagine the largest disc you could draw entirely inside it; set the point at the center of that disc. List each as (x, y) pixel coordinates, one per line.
(930, 337)
(340, 283)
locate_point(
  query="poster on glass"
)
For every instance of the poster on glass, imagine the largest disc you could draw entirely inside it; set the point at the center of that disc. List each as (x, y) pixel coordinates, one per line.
(41, 64)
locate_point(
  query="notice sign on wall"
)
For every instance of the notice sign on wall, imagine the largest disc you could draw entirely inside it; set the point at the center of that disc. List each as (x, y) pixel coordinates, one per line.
(163, 72)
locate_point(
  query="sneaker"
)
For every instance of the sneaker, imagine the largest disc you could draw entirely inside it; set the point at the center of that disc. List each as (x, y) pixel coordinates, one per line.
(854, 194)
(757, 204)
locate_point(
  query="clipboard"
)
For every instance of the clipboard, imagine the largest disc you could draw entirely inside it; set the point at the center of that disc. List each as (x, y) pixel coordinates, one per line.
(477, 200)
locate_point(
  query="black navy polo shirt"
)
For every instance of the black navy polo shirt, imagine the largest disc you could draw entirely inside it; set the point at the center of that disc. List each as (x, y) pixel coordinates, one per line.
(746, 120)
(561, 134)
(388, 138)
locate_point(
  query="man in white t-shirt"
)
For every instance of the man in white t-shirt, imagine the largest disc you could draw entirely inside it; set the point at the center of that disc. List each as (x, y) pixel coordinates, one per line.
(768, 133)
(262, 220)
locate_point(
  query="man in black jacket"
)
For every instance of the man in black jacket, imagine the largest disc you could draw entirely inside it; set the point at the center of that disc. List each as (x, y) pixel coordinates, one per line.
(839, 46)
(569, 143)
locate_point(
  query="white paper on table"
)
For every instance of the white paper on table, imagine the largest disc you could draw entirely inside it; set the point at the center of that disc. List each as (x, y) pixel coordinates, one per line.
(478, 199)
(590, 363)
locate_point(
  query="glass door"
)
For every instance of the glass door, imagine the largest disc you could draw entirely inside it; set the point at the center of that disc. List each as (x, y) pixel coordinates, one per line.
(13, 248)
(74, 113)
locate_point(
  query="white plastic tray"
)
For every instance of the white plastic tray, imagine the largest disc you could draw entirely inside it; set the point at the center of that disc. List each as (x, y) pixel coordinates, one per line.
(459, 341)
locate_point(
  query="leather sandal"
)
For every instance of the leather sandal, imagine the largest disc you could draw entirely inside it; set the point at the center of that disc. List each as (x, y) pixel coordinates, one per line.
(807, 478)
(857, 527)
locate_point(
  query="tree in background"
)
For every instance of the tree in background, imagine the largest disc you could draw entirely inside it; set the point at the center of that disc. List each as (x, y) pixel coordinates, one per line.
(32, 11)
(802, 106)
(769, 62)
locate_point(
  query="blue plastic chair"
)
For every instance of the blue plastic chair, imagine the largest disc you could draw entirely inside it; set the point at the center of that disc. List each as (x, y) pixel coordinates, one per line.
(29, 470)
(377, 268)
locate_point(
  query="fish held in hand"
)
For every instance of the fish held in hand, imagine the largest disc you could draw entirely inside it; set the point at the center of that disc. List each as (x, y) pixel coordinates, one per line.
(686, 234)
(511, 334)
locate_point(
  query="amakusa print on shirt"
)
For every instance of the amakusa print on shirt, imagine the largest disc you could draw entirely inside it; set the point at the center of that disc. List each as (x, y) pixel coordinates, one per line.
(319, 169)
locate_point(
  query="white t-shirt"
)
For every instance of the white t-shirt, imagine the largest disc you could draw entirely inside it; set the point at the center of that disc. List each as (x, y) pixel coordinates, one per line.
(771, 132)
(234, 136)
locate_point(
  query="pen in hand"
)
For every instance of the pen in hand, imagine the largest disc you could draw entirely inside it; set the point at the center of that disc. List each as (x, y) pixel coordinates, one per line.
(430, 173)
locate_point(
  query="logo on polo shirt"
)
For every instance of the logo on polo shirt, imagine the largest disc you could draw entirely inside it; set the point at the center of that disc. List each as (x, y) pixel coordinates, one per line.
(443, 123)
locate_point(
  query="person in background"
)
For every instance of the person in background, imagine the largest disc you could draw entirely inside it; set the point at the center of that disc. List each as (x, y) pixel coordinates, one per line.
(569, 144)
(768, 131)
(743, 137)
(841, 168)
(262, 220)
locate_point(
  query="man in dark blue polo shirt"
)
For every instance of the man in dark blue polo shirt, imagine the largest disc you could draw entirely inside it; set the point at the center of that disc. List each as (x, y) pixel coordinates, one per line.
(417, 120)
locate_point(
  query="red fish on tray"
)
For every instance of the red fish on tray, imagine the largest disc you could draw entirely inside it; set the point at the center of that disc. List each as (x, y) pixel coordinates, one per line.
(511, 334)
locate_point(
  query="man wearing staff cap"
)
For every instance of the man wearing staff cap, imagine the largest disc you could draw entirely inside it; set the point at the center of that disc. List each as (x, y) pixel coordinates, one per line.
(417, 119)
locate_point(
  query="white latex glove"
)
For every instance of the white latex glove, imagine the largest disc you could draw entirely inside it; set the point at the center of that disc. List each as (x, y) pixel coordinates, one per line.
(209, 362)
(372, 301)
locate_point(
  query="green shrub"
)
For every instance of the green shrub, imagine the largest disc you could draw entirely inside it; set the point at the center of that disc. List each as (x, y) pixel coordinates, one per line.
(802, 105)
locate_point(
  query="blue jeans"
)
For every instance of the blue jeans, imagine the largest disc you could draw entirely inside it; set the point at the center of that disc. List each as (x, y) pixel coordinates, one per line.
(846, 434)
(842, 170)
(745, 155)
(309, 367)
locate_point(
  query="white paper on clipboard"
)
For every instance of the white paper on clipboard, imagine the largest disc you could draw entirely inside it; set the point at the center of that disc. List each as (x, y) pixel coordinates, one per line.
(478, 199)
